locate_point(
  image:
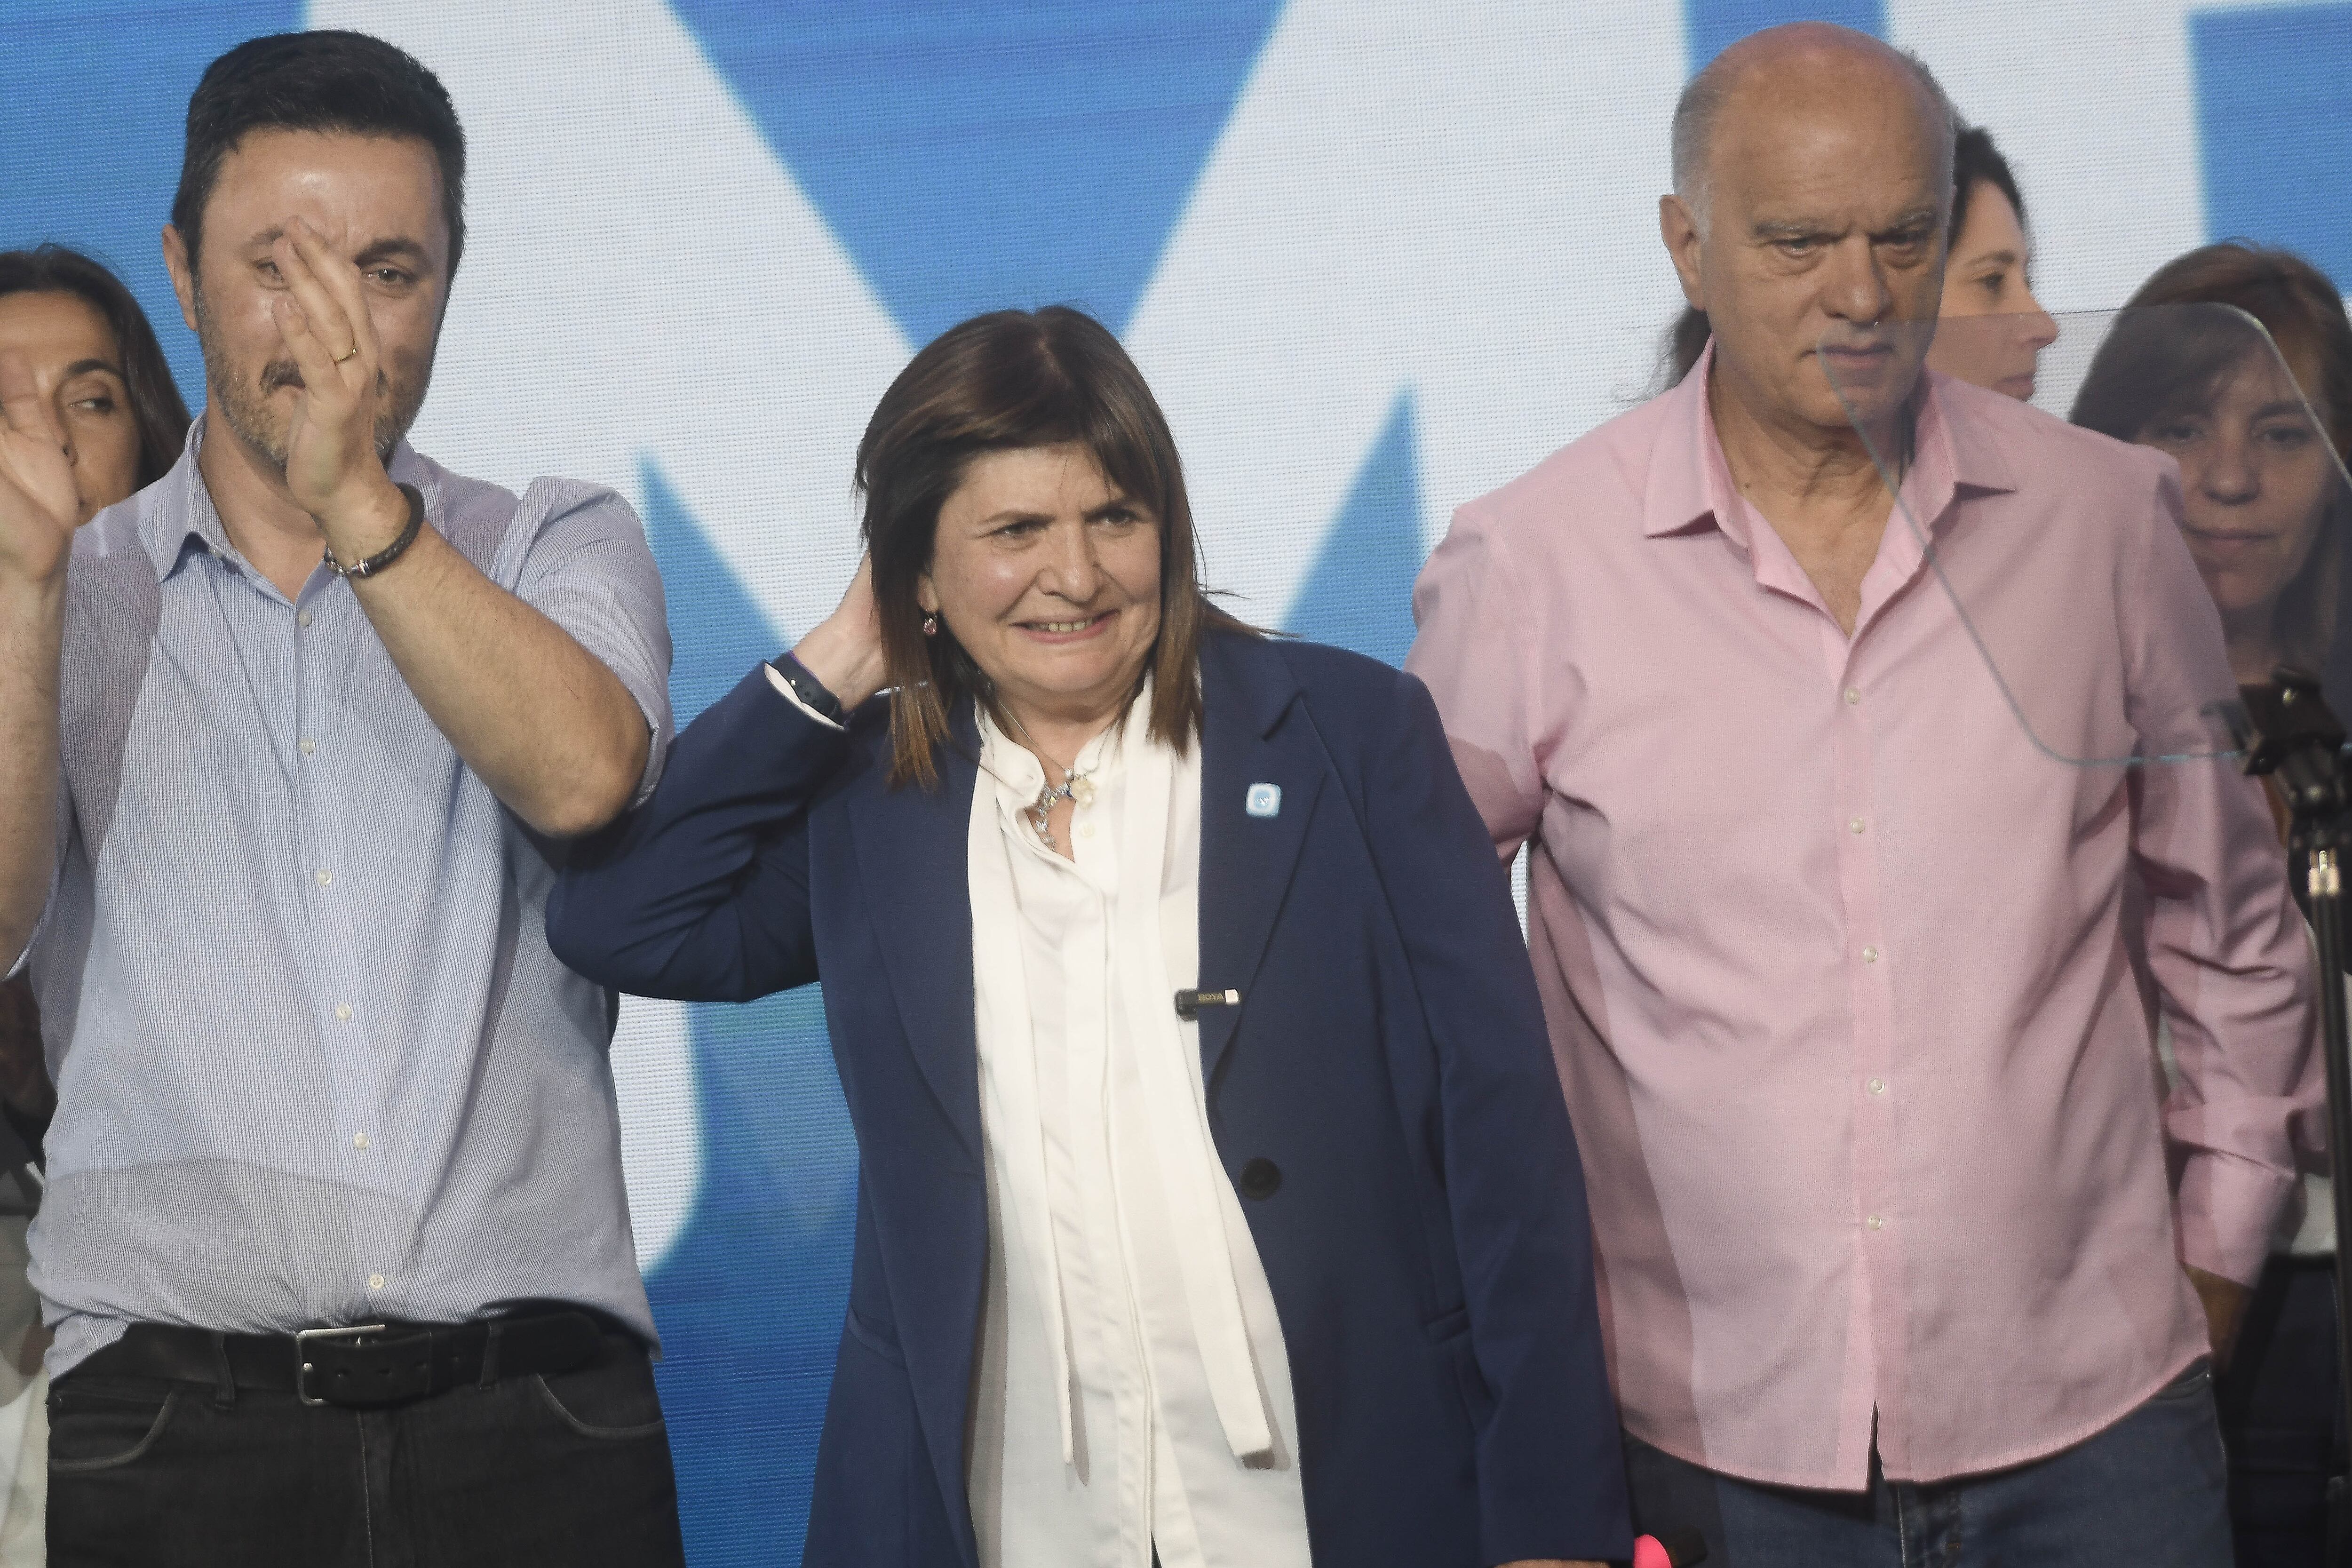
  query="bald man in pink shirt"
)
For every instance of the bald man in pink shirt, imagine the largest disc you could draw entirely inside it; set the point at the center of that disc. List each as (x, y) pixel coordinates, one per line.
(1843, 974)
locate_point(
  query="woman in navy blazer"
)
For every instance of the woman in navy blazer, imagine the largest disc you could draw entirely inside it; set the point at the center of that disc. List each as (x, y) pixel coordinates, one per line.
(1372, 1066)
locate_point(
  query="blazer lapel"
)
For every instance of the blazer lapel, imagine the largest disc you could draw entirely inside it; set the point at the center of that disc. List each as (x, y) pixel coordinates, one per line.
(912, 851)
(1255, 733)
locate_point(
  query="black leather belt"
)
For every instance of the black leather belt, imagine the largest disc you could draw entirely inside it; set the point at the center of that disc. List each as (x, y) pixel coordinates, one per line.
(366, 1366)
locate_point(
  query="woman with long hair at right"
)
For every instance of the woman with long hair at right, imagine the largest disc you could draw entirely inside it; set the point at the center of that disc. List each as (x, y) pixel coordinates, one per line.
(2237, 361)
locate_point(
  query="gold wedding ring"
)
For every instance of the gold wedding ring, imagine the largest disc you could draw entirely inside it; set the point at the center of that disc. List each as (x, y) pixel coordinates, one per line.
(347, 354)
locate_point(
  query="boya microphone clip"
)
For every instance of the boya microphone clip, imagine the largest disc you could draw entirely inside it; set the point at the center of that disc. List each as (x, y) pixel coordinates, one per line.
(1190, 1003)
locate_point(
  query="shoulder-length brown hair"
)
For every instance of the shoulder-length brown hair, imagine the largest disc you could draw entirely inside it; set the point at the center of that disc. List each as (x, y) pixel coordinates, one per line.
(2158, 362)
(156, 411)
(1005, 382)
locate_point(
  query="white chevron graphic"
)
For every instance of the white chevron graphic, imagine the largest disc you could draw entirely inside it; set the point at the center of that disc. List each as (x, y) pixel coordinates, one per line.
(1458, 199)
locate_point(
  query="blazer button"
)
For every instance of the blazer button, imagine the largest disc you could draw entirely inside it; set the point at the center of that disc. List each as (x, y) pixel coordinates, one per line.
(1260, 1178)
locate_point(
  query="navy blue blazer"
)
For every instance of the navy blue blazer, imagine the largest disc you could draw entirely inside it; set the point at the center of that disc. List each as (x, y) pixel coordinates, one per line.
(1426, 1241)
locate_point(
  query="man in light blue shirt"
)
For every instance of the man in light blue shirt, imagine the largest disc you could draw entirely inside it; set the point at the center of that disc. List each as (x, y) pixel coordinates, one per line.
(288, 746)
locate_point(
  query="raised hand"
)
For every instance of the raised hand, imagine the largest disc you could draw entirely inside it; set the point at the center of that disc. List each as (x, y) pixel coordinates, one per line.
(39, 508)
(844, 651)
(39, 504)
(332, 469)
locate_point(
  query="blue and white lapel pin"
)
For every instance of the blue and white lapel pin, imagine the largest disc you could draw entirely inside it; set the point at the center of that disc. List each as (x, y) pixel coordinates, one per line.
(1262, 800)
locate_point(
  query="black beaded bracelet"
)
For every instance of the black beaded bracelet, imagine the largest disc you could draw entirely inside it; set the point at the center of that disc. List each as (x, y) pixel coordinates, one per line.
(390, 553)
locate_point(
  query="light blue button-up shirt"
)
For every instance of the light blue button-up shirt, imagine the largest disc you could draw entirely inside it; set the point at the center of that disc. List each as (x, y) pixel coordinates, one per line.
(315, 1064)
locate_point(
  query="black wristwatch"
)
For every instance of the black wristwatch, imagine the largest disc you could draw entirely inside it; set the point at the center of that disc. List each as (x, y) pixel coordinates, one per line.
(807, 687)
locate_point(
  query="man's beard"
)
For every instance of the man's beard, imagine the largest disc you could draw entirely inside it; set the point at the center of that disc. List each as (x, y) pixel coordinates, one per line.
(244, 399)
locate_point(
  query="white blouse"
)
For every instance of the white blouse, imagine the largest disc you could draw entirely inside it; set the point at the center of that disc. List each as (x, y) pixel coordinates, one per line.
(1131, 1389)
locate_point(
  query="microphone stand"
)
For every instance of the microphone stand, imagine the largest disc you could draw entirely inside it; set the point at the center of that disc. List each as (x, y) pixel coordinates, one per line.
(2287, 732)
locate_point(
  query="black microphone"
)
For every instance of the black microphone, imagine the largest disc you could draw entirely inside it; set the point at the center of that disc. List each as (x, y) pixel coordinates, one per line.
(1190, 1003)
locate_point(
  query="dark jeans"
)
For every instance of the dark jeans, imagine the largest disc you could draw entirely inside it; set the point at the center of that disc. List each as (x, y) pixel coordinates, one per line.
(2147, 1492)
(571, 1468)
(2281, 1416)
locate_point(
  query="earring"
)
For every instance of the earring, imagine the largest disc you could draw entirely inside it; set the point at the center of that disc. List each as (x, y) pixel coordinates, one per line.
(930, 625)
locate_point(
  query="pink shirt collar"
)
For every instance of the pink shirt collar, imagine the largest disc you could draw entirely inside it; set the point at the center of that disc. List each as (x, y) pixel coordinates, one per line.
(1690, 481)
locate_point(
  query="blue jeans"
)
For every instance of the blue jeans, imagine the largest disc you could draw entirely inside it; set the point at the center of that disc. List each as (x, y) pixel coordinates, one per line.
(2150, 1491)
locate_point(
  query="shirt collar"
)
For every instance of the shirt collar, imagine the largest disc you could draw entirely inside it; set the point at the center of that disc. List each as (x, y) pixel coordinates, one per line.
(1952, 427)
(182, 517)
(1690, 481)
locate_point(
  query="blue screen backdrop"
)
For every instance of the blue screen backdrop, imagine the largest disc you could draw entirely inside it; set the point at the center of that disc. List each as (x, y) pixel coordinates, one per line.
(1377, 258)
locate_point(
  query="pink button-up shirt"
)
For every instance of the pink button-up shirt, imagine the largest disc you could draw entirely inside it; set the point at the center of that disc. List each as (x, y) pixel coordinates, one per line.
(1843, 974)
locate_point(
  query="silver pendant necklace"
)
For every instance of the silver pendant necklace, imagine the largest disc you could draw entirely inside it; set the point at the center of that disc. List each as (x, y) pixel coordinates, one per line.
(1076, 786)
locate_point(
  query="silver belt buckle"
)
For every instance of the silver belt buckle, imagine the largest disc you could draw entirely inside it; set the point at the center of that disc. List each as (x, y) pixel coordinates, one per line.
(302, 1368)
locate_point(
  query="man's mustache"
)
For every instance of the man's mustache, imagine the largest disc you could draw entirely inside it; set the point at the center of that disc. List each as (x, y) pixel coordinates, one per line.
(286, 373)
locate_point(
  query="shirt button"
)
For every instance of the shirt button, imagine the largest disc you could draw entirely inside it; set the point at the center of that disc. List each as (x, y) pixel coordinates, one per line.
(1088, 831)
(359, 1139)
(1876, 1223)
(309, 746)
(302, 617)
(325, 877)
(1853, 695)
(1870, 955)
(343, 1012)
(1855, 826)
(1879, 1086)
(375, 1281)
